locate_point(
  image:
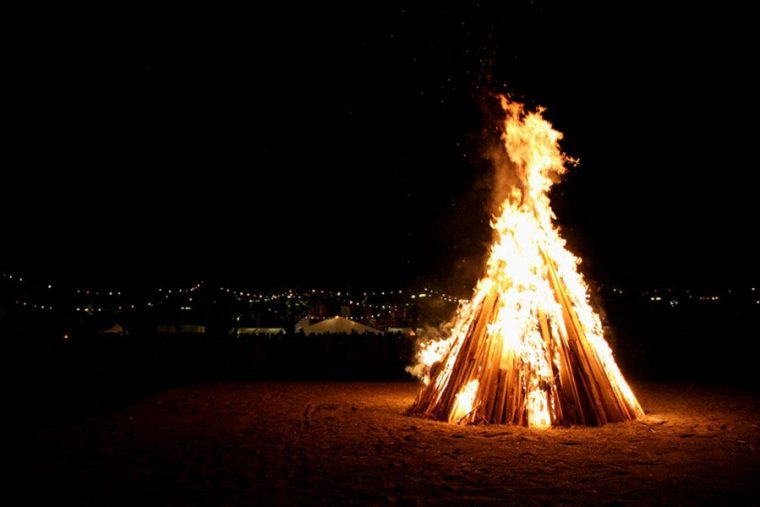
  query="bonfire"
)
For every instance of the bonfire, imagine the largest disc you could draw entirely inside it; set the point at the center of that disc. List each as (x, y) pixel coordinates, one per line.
(527, 348)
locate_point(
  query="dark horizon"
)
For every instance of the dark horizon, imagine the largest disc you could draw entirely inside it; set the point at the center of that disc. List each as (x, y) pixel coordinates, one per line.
(331, 147)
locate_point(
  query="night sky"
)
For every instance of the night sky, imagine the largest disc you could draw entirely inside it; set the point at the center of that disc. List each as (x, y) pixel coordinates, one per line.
(344, 146)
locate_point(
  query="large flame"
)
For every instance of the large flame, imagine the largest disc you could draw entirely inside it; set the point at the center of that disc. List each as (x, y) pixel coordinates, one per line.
(527, 348)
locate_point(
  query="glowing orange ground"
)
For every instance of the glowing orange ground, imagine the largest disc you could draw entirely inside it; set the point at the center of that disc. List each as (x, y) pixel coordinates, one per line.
(349, 443)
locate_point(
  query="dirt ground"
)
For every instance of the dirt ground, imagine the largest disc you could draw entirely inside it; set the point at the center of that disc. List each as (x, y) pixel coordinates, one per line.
(337, 444)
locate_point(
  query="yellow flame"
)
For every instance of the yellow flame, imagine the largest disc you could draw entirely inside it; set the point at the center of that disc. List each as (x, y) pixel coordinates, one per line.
(527, 253)
(464, 402)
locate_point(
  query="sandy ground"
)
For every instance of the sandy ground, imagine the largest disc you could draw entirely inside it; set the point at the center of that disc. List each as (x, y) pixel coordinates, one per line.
(336, 444)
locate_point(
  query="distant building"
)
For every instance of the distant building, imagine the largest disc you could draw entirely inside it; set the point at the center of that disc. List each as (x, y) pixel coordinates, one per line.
(180, 329)
(409, 331)
(239, 331)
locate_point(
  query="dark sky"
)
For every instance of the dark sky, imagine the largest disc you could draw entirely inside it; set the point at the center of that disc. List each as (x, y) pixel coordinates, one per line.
(338, 146)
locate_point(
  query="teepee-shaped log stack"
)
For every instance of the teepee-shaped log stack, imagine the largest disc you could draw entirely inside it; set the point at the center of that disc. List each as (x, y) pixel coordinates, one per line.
(528, 348)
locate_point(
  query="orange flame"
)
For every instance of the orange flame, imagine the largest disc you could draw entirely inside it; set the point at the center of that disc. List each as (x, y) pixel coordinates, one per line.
(541, 340)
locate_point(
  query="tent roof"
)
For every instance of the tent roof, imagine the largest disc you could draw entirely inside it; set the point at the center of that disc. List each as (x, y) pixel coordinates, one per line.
(339, 325)
(115, 329)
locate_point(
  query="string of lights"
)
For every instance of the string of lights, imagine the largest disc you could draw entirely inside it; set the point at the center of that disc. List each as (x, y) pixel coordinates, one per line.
(377, 303)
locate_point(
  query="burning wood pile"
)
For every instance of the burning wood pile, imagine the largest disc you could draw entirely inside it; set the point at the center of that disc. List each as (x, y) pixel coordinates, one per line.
(527, 348)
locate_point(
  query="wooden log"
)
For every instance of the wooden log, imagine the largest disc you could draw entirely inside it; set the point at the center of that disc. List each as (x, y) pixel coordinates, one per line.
(580, 391)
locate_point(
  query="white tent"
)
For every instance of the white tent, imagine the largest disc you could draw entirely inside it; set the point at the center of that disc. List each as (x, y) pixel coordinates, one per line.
(116, 330)
(303, 323)
(339, 325)
(238, 331)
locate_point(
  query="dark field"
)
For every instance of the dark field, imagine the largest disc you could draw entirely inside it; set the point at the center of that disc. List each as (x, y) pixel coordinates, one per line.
(350, 443)
(215, 419)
